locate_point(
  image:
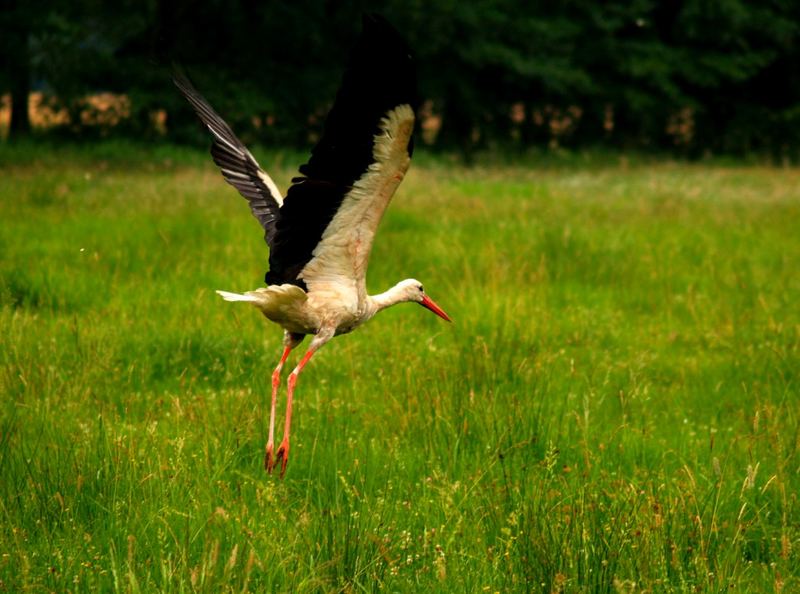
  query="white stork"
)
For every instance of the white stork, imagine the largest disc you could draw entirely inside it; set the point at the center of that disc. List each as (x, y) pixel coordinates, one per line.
(321, 233)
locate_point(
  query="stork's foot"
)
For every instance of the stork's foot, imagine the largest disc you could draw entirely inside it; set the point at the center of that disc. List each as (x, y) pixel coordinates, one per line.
(269, 460)
(283, 456)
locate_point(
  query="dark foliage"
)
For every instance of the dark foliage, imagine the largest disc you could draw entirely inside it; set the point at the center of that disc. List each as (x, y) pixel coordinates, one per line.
(684, 75)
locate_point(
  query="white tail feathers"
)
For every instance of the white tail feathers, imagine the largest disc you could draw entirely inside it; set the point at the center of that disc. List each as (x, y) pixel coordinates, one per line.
(237, 297)
(283, 304)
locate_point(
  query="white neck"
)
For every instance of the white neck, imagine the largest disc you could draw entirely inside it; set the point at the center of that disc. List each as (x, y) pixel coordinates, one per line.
(393, 296)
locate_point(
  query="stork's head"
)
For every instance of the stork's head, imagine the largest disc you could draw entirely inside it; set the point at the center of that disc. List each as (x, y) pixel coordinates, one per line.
(411, 290)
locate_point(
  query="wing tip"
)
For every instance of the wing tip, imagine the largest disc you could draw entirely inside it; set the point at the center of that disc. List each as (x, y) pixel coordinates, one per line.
(179, 77)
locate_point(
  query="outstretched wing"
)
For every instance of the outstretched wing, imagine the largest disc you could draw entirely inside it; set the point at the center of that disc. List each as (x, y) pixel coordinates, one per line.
(238, 166)
(331, 212)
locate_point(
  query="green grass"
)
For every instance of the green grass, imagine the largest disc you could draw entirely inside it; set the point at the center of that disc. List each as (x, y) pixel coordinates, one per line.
(615, 408)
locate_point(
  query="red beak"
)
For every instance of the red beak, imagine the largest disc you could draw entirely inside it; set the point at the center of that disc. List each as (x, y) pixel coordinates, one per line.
(428, 302)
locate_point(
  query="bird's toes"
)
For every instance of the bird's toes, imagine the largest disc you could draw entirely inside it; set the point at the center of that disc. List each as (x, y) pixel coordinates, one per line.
(269, 461)
(283, 457)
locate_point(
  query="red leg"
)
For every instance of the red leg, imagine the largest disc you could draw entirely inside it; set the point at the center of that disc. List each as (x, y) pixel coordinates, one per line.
(283, 451)
(269, 463)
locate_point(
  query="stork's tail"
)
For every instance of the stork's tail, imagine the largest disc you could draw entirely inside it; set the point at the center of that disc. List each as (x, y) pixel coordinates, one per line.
(237, 297)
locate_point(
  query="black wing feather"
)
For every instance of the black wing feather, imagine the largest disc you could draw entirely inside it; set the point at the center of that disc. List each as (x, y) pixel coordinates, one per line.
(238, 166)
(380, 76)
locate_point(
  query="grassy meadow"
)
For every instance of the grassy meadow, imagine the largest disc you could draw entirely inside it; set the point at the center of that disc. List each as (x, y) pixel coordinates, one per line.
(614, 409)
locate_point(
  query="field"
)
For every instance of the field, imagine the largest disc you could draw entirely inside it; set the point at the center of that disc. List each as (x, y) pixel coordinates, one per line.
(614, 409)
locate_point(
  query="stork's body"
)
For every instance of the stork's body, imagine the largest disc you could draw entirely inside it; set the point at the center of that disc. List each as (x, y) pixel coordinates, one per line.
(321, 233)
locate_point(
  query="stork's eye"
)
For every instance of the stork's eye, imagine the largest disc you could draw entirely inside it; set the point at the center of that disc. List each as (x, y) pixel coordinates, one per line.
(421, 290)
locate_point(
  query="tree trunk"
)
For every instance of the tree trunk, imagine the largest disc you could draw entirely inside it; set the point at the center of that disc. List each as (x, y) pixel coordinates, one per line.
(19, 65)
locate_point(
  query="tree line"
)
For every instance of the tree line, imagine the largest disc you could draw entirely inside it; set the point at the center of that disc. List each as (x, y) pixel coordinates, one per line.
(686, 76)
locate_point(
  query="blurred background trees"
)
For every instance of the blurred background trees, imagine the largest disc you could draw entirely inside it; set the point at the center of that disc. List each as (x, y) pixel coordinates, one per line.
(686, 76)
